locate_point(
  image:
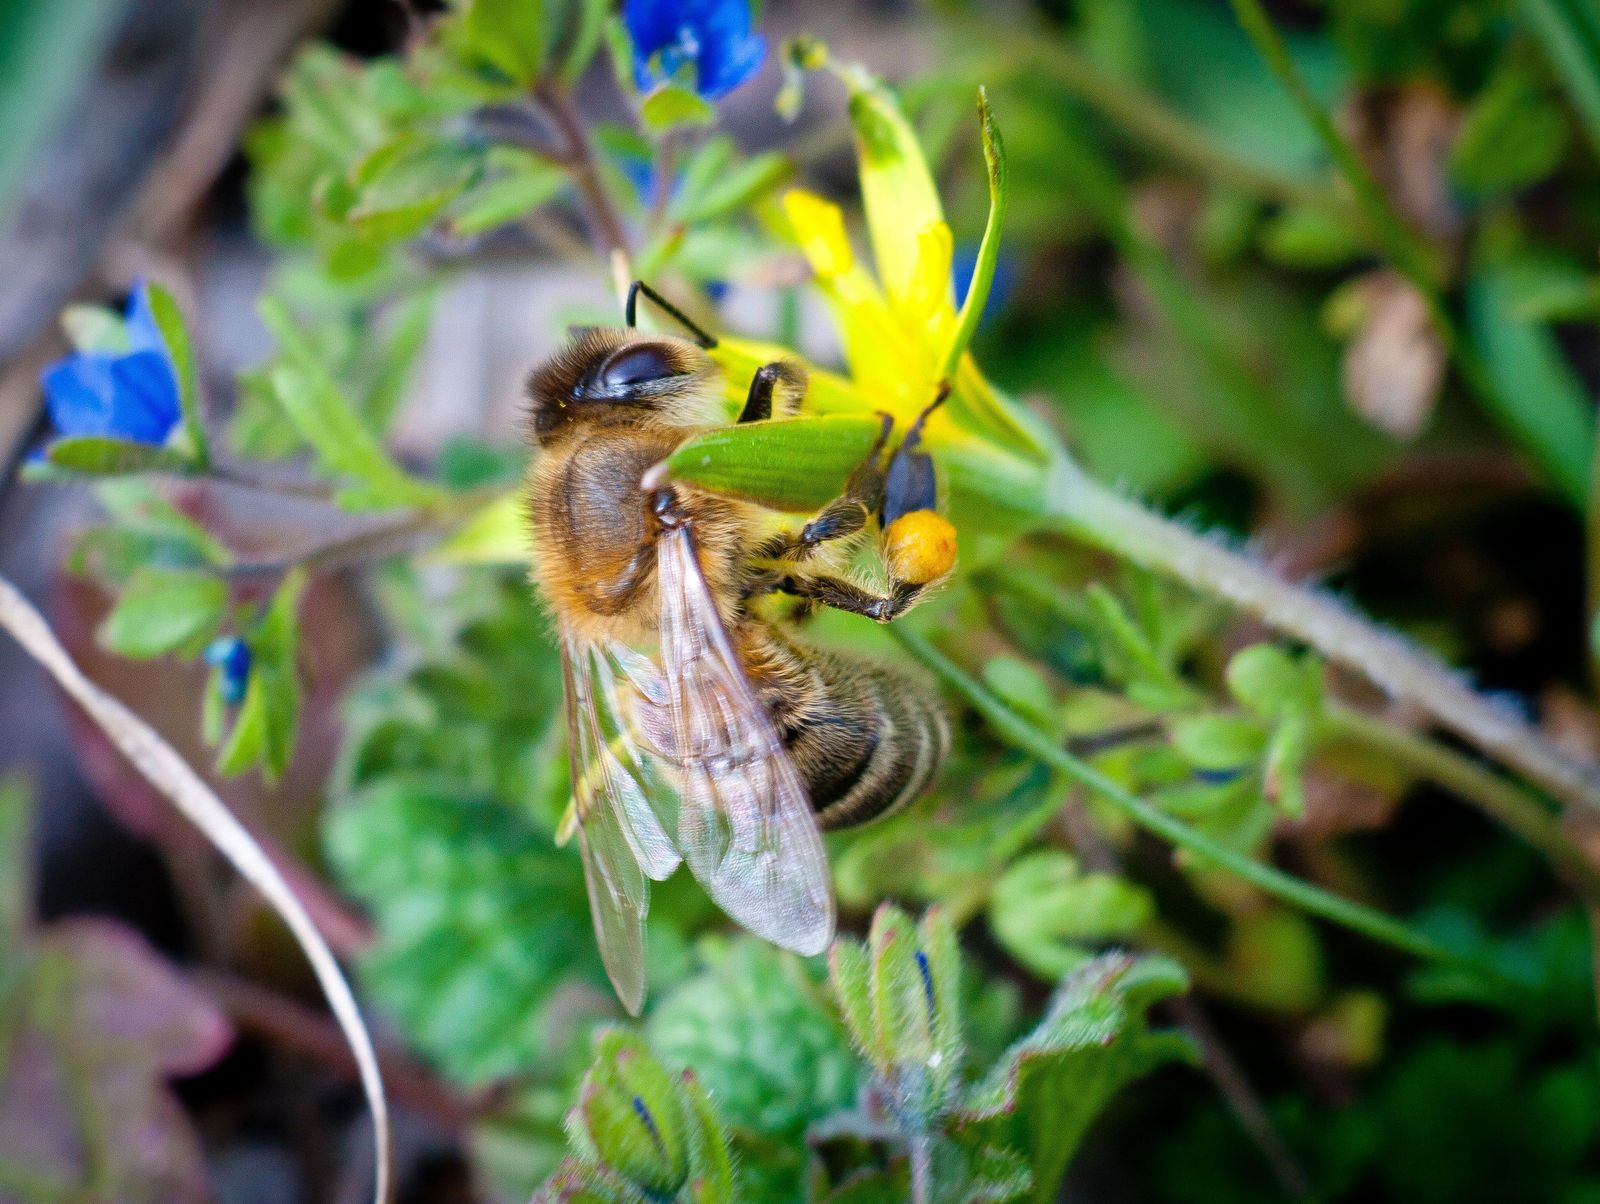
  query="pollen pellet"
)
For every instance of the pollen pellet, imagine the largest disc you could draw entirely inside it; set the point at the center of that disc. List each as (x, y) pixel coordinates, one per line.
(920, 547)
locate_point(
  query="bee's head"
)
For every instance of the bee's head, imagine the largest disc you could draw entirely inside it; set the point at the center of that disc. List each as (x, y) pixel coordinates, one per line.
(611, 377)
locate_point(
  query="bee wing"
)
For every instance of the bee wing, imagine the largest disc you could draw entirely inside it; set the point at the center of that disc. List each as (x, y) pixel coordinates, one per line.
(620, 836)
(745, 824)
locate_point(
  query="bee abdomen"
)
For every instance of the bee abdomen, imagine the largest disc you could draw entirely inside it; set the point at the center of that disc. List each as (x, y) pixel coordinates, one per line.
(901, 736)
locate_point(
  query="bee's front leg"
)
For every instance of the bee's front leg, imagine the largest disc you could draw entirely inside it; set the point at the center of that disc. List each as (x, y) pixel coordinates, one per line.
(767, 380)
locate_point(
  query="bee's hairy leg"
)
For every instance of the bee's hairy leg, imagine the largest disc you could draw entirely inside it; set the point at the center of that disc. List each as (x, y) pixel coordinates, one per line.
(848, 596)
(766, 382)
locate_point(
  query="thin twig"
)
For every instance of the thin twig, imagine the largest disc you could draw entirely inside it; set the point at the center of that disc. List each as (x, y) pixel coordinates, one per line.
(159, 762)
(407, 533)
(604, 223)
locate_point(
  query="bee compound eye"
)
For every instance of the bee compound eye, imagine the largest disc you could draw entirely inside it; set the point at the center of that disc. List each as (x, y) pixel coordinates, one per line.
(634, 366)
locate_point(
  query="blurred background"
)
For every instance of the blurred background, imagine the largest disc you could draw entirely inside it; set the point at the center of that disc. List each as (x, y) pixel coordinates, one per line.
(1187, 292)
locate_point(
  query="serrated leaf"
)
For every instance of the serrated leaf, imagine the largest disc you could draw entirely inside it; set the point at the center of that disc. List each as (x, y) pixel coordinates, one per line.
(164, 610)
(480, 920)
(794, 464)
(1043, 1094)
(761, 1039)
(1049, 915)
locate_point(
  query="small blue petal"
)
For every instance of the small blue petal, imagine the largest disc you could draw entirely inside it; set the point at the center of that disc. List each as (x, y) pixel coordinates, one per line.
(77, 392)
(143, 333)
(130, 395)
(713, 36)
(716, 291)
(144, 398)
(231, 655)
(1220, 777)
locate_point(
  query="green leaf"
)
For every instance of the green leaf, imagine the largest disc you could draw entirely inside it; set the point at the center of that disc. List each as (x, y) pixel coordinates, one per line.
(517, 183)
(1048, 914)
(164, 610)
(585, 40)
(480, 920)
(1570, 33)
(1540, 400)
(1218, 741)
(101, 455)
(761, 1038)
(397, 190)
(731, 190)
(1513, 136)
(670, 107)
(264, 729)
(169, 321)
(792, 464)
(508, 35)
(1311, 238)
(1043, 1094)
(328, 422)
(1267, 680)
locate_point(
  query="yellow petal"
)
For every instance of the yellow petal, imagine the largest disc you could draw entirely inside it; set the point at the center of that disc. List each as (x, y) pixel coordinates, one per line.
(819, 229)
(896, 187)
(930, 291)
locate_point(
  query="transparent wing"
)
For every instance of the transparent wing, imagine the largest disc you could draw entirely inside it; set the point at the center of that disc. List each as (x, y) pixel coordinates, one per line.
(745, 825)
(620, 835)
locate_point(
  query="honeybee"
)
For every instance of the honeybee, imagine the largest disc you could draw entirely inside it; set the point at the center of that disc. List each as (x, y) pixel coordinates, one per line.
(701, 728)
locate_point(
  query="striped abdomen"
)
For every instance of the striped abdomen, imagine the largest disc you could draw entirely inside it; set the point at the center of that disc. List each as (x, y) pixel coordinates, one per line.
(866, 739)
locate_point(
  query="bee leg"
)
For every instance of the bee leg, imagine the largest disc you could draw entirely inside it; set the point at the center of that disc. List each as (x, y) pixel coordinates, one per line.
(846, 514)
(848, 596)
(758, 404)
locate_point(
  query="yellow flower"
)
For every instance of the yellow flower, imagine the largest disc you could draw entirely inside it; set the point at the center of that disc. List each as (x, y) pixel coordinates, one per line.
(901, 332)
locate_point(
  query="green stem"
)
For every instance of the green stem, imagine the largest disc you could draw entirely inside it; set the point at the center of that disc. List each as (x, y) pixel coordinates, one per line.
(1522, 812)
(1101, 516)
(1023, 735)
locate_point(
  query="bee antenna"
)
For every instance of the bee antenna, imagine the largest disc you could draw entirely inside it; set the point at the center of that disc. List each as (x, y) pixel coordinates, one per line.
(631, 313)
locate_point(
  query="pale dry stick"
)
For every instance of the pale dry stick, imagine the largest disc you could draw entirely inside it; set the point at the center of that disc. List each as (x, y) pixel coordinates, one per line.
(172, 775)
(1120, 525)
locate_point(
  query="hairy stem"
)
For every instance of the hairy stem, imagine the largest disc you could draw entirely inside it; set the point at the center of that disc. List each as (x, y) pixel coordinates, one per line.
(1105, 518)
(1021, 734)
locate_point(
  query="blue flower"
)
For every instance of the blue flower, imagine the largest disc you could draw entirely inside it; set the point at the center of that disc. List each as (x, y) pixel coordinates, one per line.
(232, 656)
(714, 35)
(130, 394)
